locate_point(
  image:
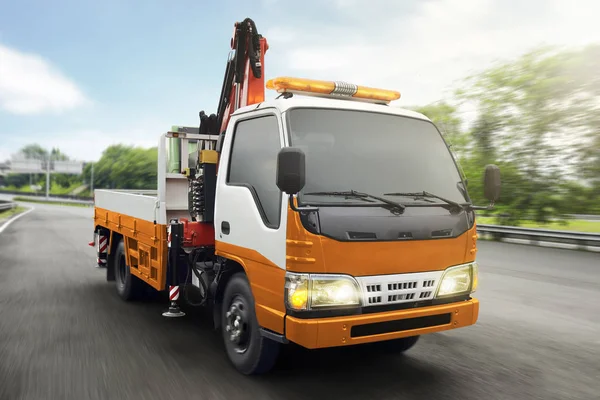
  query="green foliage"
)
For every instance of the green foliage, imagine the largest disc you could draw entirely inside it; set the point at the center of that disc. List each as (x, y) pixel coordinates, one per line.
(16, 180)
(65, 181)
(527, 105)
(120, 167)
(125, 167)
(34, 151)
(5, 214)
(539, 121)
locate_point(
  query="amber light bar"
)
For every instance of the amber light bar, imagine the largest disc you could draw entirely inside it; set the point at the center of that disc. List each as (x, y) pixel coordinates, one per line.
(331, 88)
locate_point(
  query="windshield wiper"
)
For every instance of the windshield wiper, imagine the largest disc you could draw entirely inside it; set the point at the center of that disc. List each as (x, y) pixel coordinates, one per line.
(360, 195)
(425, 195)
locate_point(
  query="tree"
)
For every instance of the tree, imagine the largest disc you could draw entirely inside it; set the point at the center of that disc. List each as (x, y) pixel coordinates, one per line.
(538, 117)
(34, 151)
(125, 167)
(56, 154)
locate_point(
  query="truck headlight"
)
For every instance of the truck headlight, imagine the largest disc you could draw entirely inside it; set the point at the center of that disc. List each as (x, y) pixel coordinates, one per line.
(458, 280)
(318, 291)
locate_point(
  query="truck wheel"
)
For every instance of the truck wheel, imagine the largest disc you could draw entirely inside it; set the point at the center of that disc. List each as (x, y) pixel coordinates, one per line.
(249, 351)
(398, 345)
(128, 286)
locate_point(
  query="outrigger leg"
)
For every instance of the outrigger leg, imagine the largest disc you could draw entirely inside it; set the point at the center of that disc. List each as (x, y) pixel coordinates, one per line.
(175, 239)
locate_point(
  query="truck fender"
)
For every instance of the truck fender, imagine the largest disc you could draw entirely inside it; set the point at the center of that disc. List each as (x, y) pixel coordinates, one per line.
(217, 287)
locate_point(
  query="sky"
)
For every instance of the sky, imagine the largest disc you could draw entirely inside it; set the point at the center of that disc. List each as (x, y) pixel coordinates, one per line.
(82, 75)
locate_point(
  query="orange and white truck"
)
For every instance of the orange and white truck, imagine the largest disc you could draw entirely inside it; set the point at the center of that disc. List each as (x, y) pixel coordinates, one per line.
(323, 217)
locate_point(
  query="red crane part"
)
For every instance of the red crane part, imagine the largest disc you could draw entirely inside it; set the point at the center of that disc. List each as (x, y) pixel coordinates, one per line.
(197, 234)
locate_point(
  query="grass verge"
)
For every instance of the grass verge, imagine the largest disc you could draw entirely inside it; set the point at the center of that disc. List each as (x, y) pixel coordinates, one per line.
(6, 214)
(574, 225)
(58, 203)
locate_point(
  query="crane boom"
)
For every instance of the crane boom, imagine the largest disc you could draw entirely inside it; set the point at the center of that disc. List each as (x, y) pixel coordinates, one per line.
(244, 81)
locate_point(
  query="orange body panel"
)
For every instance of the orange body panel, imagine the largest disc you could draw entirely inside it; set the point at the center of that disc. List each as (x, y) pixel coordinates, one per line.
(256, 86)
(252, 90)
(330, 332)
(146, 250)
(307, 252)
(145, 245)
(267, 282)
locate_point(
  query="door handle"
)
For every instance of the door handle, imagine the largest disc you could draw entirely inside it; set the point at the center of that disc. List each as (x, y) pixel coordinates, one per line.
(225, 228)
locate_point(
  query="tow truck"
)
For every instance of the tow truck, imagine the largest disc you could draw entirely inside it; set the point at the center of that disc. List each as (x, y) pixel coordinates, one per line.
(322, 217)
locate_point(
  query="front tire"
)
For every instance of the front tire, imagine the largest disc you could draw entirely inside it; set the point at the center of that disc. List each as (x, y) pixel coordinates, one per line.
(128, 286)
(398, 345)
(249, 351)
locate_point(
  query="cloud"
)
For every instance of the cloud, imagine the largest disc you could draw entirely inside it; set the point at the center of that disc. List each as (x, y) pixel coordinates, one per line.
(29, 84)
(421, 48)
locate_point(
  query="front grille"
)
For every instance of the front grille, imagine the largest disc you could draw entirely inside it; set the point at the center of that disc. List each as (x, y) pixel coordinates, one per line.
(402, 285)
(397, 297)
(398, 288)
(374, 288)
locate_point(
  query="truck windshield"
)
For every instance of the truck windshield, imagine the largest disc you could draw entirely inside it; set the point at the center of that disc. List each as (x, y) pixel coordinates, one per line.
(374, 153)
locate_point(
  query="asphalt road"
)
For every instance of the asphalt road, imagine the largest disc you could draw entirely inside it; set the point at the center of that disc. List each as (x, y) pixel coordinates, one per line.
(64, 334)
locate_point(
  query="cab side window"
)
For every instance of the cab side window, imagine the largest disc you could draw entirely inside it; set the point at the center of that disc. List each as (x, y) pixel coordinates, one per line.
(253, 163)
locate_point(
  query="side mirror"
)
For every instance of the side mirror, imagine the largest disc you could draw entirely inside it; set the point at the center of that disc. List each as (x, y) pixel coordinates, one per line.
(491, 187)
(491, 183)
(291, 170)
(291, 174)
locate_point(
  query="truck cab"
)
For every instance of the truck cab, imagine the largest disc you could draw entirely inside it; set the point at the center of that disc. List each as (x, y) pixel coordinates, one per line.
(374, 239)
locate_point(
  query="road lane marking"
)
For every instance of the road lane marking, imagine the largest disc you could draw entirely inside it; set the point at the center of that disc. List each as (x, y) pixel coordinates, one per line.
(13, 219)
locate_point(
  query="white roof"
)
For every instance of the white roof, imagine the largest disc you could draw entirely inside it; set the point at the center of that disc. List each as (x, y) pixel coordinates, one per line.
(321, 102)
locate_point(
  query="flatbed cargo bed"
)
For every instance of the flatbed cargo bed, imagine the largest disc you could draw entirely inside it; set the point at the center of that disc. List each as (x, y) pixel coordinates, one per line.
(143, 205)
(140, 217)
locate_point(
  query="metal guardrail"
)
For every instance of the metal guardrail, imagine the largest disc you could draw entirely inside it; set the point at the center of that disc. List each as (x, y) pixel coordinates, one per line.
(56, 200)
(43, 195)
(7, 205)
(582, 240)
(586, 217)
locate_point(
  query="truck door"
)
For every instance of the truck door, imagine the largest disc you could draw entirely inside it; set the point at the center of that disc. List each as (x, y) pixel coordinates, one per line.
(250, 211)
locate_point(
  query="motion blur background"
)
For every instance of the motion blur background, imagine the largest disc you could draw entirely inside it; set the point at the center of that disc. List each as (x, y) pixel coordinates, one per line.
(512, 83)
(515, 83)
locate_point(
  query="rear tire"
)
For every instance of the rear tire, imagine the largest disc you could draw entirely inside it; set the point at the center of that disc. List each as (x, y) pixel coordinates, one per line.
(128, 286)
(249, 351)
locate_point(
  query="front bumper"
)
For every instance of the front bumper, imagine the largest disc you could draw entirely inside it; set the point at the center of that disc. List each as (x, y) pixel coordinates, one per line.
(367, 328)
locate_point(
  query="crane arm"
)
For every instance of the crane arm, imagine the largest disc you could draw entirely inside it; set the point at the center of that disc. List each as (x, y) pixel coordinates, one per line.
(244, 82)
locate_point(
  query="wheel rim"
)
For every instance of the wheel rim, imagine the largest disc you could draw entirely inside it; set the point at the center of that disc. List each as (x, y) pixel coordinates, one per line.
(237, 331)
(122, 271)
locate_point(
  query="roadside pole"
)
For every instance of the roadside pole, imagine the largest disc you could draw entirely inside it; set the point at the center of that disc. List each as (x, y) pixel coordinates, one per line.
(92, 181)
(48, 177)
